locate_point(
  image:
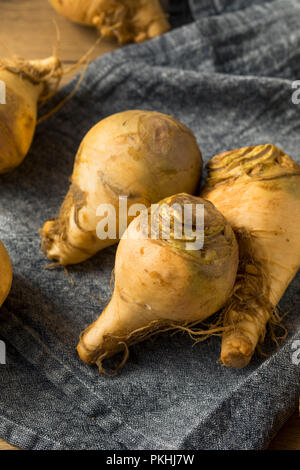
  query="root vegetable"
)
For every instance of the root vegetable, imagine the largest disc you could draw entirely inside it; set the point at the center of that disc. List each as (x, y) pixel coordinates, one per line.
(25, 84)
(257, 189)
(160, 284)
(5, 274)
(142, 155)
(127, 20)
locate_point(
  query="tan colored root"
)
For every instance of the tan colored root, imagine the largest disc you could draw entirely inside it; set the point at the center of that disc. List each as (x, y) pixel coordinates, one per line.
(66, 271)
(126, 20)
(103, 301)
(69, 275)
(124, 320)
(65, 100)
(154, 328)
(250, 299)
(104, 371)
(48, 72)
(273, 328)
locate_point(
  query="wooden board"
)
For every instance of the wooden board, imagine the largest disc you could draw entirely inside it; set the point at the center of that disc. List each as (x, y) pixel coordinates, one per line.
(28, 29)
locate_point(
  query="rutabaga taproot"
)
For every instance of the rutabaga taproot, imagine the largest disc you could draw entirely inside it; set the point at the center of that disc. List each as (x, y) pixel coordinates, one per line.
(127, 20)
(143, 155)
(162, 285)
(6, 274)
(25, 84)
(257, 189)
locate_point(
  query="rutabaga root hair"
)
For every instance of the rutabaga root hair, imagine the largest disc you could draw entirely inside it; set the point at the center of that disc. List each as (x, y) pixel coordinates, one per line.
(29, 84)
(47, 72)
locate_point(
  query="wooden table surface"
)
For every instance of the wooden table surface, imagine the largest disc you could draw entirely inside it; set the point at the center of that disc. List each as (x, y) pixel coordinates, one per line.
(28, 29)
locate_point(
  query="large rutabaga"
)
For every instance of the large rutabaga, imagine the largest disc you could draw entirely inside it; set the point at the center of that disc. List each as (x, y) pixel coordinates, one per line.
(142, 155)
(257, 189)
(160, 283)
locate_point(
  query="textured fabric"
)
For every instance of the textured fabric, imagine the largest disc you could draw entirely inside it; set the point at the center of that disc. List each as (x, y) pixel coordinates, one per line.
(227, 75)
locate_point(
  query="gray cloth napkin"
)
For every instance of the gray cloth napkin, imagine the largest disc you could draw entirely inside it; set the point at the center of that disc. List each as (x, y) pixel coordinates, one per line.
(228, 76)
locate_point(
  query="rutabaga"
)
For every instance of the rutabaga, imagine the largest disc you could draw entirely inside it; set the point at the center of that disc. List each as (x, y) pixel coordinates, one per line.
(142, 155)
(5, 274)
(126, 20)
(257, 189)
(160, 283)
